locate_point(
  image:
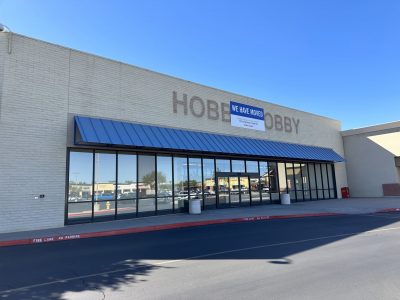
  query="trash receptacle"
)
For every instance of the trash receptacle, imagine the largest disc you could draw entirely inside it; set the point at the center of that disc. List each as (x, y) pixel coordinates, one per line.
(345, 192)
(285, 199)
(194, 206)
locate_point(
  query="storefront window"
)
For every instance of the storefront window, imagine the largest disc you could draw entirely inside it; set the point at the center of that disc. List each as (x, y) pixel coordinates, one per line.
(273, 181)
(264, 182)
(306, 181)
(80, 176)
(251, 166)
(223, 165)
(164, 184)
(146, 184)
(325, 181)
(209, 183)
(282, 178)
(331, 182)
(104, 184)
(255, 191)
(313, 184)
(180, 183)
(290, 181)
(79, 212)
(298, 181)
(195, 178)
(319, 181)
(127, 185)
(238, 166)
(80, 185)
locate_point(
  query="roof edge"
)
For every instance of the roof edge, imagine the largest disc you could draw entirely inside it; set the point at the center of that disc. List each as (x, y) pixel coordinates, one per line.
(372, 128)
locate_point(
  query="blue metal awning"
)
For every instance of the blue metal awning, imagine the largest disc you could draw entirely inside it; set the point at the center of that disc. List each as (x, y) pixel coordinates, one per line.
(94, 131)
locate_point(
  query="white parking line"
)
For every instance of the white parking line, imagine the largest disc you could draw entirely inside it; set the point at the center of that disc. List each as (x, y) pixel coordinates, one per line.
(361, 233)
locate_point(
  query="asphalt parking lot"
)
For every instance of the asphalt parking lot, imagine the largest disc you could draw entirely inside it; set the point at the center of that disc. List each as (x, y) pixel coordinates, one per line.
(341, 257)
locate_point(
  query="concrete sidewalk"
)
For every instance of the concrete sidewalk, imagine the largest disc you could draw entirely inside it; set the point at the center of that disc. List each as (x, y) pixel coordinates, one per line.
(263, 212)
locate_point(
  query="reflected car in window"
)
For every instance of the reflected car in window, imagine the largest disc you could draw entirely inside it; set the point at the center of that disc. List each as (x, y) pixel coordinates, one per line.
(130, 195)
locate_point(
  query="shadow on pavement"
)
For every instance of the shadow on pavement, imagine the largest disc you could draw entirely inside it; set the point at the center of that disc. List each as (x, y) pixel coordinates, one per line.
(49, 271)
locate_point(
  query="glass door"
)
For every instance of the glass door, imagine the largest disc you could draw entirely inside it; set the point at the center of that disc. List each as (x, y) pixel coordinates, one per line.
(237, 190)
(244, 191)
(234, 191)
(255, 190)
(223, 192)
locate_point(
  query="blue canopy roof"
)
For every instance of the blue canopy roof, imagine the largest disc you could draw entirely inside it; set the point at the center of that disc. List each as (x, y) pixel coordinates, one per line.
(109, 132)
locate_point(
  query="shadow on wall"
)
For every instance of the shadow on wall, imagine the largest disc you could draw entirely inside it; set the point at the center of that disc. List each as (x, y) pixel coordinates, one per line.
(50, 271)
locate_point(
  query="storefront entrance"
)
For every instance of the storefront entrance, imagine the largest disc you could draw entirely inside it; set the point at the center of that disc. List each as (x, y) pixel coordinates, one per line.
(107, 185)
(237, 189)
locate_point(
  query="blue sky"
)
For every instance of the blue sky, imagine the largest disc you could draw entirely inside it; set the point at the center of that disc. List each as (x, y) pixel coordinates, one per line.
(339, 58)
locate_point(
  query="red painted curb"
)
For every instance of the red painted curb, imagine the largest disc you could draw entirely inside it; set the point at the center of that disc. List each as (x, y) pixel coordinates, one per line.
(58, 238)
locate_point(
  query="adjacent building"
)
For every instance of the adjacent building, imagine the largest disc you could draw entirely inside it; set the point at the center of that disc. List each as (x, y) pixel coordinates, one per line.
(373, 160)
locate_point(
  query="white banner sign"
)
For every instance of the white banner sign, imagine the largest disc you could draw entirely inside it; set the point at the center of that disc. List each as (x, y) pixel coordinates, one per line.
(246, 116)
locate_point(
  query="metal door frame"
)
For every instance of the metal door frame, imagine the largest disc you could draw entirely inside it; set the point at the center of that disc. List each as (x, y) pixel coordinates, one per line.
(238, 175)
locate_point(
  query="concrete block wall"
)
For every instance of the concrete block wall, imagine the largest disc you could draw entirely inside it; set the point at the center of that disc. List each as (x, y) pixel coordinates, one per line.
(32, 135)
(44, 85)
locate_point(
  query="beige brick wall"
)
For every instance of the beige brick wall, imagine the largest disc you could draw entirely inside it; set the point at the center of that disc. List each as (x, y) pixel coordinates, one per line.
(45, 85)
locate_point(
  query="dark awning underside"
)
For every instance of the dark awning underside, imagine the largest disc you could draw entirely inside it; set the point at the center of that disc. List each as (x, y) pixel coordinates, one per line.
(94, 131)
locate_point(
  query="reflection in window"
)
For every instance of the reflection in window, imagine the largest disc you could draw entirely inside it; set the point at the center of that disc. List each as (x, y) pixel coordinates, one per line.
(209, 183)
(255, 190)
(273, 181)
(195, 178)
(104, 178)
(80, 176)
(126, 208)
(325, 181)
(282, 178)
(313, 184)
(126, 176)
(127, 186)
(319, 181)
(104, 184)
(298, 181)
(223, 192)
(164, 183)
(104, 209)
(238, 165)
(264, 181)
(251, 166)
(79, 211)
(180, 182)
(331, 182)
(306, 183)
(146, 183)
(223, 165)
(290, 181)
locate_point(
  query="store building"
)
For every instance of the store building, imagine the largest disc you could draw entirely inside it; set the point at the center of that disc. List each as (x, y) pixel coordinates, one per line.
(373, 160)
(84, 138)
